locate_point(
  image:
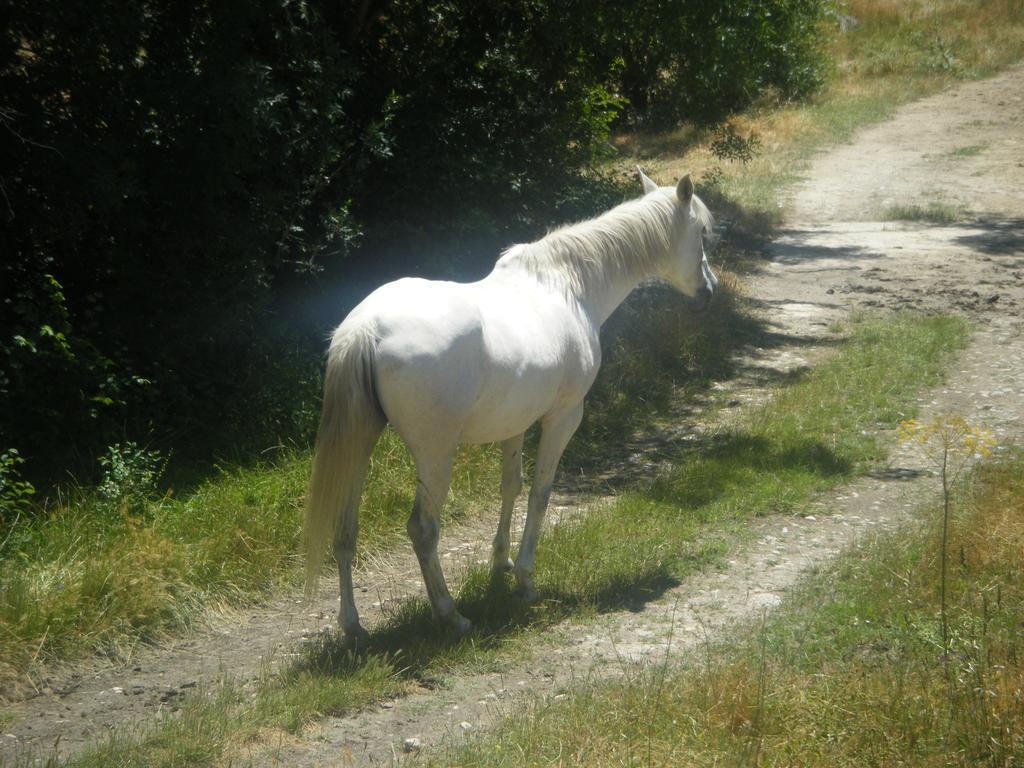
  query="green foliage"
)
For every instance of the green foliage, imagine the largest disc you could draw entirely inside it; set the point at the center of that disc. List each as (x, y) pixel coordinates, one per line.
(192, 194)
(700, 61)
(53, 381)
(178, 176)
(729, 145)
(159, 177)
(130, 476)
(15, 493)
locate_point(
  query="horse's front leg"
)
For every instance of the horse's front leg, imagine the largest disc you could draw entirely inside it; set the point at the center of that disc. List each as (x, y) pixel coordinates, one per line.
(556, 430)
(424, 529)
(511, 485)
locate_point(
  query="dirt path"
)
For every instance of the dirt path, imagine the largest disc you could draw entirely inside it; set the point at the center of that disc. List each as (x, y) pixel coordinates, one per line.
(962, 149)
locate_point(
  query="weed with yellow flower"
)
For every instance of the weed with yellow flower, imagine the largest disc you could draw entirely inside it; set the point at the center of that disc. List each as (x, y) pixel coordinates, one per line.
(949, 442)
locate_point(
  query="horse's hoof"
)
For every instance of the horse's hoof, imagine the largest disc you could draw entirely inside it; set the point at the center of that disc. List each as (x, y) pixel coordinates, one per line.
(500, 568)
(528, 595)
(459, 625)
(357, 637)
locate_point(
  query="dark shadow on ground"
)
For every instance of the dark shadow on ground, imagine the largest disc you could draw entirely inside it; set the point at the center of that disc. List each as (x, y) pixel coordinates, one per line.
(411, 639)
(1001, 237)
(789, 249)
(661, 362)
(897, 473)
(728, 459)
(745, 228)
(991, 236)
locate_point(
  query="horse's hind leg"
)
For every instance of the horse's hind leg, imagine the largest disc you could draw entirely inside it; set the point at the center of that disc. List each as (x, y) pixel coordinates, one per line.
(556, 431)
(511, 485)
(344, 551)
(347, 532)
(424, 529)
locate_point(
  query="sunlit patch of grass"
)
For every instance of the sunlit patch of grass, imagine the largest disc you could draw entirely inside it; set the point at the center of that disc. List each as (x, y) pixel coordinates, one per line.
(820, 429)
(84, 577)
(925, 38)
(848, 671)
(932, 213)
(971, 150)
(301, 695)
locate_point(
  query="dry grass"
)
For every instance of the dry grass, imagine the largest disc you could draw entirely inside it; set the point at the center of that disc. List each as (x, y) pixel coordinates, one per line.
(849, 672)
(914, 39)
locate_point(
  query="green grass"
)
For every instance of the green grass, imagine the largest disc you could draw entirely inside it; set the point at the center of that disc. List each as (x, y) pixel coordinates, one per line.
(814, 434)
(820, 430)
(931, 38)
(85, 576)
(972, 150)
(848, 672)
(932, 213)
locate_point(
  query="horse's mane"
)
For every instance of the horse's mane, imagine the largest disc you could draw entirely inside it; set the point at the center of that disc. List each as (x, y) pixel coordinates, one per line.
(630, 239)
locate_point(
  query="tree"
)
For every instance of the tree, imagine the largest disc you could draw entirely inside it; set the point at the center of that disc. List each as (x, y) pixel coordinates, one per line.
(193, 191)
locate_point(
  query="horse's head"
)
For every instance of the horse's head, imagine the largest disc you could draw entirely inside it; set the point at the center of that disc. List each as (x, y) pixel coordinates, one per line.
(687, 268)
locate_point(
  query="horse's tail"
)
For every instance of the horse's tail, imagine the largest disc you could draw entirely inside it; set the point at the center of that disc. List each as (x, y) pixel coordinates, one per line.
(350, 423)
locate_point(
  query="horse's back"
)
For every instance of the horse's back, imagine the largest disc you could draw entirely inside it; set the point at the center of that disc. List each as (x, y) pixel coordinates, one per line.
(420, 322)
(470, 362)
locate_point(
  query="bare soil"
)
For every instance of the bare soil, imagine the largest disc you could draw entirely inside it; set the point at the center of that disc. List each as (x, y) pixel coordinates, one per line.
(962, 149)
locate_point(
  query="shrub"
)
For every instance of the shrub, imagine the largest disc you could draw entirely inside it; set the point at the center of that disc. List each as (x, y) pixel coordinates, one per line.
(15, 493)
(702, 60)
(130, 476)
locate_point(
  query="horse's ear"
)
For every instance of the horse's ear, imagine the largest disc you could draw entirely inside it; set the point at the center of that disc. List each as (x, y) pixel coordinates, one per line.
(646, 183)
(684, 189)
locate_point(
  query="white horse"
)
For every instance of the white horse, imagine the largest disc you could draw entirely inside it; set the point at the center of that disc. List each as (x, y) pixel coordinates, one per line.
(448, 363)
